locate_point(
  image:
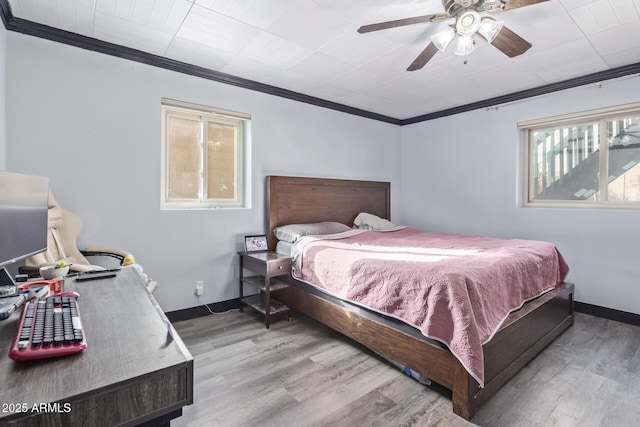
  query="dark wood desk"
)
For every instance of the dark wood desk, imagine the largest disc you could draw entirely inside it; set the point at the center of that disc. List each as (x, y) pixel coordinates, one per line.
(129, 374)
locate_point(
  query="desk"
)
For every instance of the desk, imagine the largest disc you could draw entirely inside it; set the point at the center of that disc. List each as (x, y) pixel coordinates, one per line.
(129, 373)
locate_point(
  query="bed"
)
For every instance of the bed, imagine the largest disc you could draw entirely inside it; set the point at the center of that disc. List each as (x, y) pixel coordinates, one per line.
(524, 333)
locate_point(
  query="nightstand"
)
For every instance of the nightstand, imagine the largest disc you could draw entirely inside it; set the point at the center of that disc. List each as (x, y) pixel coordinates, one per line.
(271, 273)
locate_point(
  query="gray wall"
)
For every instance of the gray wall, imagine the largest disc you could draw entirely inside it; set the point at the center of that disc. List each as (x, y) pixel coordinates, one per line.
(3, 80)
(92, 123)
(461, 174)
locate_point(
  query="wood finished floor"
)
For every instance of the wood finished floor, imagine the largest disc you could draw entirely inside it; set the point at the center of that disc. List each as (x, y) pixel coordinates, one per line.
(301, 373)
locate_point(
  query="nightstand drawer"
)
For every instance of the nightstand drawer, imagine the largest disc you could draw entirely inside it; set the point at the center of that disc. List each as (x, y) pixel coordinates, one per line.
(279, 267)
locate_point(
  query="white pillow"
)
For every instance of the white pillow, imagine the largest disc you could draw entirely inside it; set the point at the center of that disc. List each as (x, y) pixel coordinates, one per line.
(292, 232)
(367, 221)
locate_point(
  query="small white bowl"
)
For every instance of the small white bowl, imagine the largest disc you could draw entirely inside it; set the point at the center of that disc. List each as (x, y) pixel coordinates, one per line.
(50, 272)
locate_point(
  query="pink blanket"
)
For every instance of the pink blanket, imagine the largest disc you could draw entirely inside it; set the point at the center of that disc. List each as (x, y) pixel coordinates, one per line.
(456, 289)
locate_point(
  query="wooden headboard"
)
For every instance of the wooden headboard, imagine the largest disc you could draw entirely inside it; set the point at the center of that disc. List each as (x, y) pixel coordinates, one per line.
(294, 200)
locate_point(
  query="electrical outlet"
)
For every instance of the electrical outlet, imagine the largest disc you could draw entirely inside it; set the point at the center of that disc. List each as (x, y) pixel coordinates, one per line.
(199, 287)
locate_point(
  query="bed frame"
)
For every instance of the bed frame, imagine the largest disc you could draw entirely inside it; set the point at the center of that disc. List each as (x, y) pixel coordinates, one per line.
(523, 335)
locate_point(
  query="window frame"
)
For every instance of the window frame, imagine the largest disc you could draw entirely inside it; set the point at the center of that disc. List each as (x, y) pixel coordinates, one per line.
(599, 116)
(205, 115)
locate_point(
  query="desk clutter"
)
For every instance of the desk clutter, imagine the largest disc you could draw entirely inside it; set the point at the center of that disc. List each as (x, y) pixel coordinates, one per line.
(12, 297)
(42, 288)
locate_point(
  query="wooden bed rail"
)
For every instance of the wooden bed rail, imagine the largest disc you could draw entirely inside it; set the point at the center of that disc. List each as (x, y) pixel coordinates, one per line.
(533, 327)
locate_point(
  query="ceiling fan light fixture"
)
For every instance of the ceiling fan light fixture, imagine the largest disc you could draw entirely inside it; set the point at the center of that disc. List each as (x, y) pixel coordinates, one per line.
(468, 23)
(442, 38)
(464, 45)
(489, 28)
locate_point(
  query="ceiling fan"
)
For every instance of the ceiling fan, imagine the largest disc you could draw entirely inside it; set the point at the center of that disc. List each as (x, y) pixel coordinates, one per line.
(468, 23)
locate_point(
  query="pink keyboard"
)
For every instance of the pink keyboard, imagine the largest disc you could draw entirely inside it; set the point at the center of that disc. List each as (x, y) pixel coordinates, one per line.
(48, 327)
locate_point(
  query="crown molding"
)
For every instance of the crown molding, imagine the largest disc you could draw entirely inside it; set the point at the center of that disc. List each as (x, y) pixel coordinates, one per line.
(598, 77)
(31, 28)
(5, 13)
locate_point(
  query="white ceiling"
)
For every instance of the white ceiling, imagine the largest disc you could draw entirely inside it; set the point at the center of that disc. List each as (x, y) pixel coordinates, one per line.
(312, 47)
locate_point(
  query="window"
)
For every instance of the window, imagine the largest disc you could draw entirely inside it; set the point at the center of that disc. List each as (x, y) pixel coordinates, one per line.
(203, 157)
(590, 159)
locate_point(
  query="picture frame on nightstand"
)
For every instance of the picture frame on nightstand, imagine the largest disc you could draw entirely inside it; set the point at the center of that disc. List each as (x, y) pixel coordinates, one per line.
(256, 243)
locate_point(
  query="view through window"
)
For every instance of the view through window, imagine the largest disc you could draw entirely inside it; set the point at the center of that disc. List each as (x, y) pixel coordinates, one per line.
(203, 156)
(584, 160)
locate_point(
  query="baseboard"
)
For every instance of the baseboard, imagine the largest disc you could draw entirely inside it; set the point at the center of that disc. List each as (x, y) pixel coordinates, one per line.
(201, 310)
(580, 307)
(607, 313)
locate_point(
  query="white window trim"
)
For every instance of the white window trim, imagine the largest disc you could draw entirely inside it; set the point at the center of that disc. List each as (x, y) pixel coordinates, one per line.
(591, 116)
(242, 121)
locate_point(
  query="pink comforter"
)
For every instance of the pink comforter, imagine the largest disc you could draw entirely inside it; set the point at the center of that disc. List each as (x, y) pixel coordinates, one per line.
(457, 289)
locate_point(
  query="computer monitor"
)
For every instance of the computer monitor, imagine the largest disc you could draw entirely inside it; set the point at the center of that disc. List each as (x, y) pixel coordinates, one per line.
(24, 203)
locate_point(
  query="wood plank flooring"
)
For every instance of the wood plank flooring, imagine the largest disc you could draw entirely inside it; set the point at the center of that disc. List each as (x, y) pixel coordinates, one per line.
(301, 373)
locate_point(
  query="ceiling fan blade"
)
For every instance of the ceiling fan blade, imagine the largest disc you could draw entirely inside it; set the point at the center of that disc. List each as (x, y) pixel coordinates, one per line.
(423, 58)
(402, 22)
(514, 4)
(510, 43)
